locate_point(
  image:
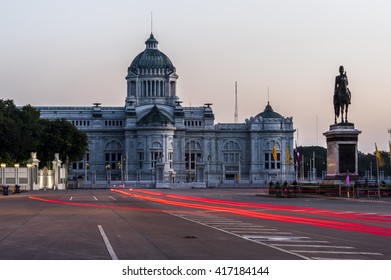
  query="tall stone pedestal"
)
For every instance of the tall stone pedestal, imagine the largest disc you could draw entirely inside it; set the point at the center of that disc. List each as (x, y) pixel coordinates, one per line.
(342, 156)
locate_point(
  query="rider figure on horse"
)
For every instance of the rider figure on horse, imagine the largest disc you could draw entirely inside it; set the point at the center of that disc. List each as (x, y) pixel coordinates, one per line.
(341, 84)
(342, 95)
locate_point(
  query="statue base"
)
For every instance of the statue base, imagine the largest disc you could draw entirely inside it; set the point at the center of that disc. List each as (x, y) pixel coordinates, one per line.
(342, 155)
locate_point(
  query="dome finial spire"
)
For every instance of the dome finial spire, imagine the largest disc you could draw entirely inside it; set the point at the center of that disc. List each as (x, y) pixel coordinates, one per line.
(268, 96)
(151, 42)
(151, 23)
(268, 107)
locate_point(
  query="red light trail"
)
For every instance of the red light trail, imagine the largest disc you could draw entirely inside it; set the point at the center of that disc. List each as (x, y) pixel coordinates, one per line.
(285, 208)
(341, 225)
(232, 207)
(103, 206)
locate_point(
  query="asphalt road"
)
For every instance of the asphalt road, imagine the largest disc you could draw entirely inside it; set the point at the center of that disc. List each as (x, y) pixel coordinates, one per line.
(198, 224)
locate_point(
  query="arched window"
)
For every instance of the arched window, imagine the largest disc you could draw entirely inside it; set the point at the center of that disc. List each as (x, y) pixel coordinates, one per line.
(231, 152)
(140, 155)
(193, 154)
(113, 154)
(155, 153)
(272, 151)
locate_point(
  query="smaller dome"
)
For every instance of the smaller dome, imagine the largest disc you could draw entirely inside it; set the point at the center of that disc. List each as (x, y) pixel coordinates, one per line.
(269, 113)
(151, 42)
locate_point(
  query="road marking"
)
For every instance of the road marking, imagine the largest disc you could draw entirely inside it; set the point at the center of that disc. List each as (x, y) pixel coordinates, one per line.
(327, 259)
(240, 236)
(107, 243)
(273, 238)
(262, 232)
(95, 198)
(306, 241)
(239, 230)
(246, 227)
(113, 198)
(338, 252)
(229, 223)
(215, 220)
(221, 223)
(314, 246)
(211, 218)
(301, 246)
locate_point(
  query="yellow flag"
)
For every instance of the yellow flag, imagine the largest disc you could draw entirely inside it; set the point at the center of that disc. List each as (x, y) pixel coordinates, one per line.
(274, 152)
(379, 159)
(287, 156)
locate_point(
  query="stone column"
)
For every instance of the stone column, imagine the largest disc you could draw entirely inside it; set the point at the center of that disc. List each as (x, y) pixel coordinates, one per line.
(34, 171)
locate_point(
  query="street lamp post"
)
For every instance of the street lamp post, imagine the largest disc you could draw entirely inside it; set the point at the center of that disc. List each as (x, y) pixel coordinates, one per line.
(108, 175)
(17, 187)
(222, 173)
(207, 175)
(85, 170)
(121, 170)
(240, 170)
(3, 165)
(126, 169)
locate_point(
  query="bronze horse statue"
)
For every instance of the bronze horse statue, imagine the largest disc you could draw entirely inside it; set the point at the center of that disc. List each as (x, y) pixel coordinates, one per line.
(342, 96)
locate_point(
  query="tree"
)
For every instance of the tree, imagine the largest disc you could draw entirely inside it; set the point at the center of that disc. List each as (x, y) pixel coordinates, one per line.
(22, 131)
(60, 136)
(19, 130)
(365, 161)
(320, 158)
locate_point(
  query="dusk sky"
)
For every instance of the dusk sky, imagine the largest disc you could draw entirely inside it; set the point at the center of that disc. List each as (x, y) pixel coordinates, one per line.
(68, 52)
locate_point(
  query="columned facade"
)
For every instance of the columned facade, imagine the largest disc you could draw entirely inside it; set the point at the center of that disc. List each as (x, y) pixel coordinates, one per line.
(153, 138)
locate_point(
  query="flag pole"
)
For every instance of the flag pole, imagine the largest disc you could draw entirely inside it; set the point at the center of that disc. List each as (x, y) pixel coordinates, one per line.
(377, 167)
(389, 144)
(313, 165)
(377, 164)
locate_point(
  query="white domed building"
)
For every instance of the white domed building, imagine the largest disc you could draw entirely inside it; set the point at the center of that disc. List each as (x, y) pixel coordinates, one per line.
(155, 140)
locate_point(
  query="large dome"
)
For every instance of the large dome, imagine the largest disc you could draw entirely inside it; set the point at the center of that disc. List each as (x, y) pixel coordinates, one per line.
(151, 58)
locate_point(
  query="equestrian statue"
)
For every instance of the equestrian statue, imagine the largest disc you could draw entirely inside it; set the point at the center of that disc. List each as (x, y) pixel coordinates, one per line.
(342, 96)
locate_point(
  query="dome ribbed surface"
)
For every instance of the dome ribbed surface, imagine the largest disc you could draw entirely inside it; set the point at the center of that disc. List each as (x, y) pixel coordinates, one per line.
(151, 58)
